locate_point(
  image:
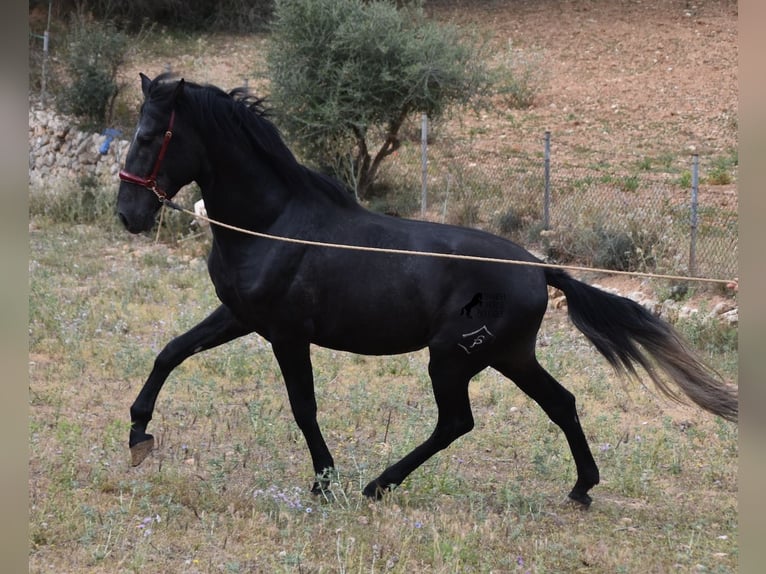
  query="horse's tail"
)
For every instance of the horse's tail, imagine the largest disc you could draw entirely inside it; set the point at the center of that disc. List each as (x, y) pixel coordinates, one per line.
(628, 334)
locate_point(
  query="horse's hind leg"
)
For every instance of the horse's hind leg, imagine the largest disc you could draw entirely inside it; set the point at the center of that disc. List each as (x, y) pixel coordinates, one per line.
(450, 380)
(218, 328)
(559, 404)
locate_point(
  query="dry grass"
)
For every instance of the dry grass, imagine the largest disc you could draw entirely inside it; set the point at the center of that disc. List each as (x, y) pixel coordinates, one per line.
(227, 488)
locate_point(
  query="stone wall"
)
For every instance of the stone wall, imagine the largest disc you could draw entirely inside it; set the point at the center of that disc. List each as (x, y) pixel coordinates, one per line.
(59, 153)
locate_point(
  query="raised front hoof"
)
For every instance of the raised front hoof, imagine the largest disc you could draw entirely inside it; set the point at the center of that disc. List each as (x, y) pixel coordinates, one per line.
(375, 491)
(140, 450)
(583, 499)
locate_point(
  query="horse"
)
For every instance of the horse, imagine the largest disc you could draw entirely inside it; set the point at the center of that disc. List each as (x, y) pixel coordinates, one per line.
(376, 302)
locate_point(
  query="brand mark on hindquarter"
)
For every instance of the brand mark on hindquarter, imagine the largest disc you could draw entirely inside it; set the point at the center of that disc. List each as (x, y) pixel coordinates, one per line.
(484, 306)
(475, 340)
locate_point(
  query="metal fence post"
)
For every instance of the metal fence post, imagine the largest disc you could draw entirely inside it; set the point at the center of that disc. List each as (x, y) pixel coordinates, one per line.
(46, 44)
(694, 216)
(44, 81)
(424, 163)
(547, 198)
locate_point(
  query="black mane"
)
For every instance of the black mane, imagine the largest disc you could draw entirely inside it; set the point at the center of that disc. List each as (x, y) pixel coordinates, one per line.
(241, 113)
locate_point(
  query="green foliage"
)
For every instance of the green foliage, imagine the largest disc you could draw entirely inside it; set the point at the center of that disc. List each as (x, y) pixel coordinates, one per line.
(519, 222)
(95, 51)
(88, 201)
(618, 250)
(630, 183)
(714, 337)
(685, 179)
(645, 164)
(83, 201)
(520, 77)
(633, 249)
(721, 171)
(346, 74)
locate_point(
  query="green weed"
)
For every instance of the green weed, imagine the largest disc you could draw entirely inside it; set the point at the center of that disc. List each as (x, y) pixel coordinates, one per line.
(720, 173)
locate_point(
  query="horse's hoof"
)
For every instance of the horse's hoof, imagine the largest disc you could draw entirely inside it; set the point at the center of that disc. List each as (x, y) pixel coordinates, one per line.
(581, 498)
(321, 489)
(374, 491)
(138, 452)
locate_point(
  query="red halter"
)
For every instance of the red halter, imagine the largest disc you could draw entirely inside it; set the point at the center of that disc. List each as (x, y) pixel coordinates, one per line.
(150, 182)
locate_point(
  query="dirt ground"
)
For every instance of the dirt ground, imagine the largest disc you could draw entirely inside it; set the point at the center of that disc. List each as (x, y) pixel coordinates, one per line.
(626, 76)
(618, 77)
(621, 80)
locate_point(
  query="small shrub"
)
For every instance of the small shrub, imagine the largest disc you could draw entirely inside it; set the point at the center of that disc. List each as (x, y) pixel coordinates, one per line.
(520, 78)
(345, 75)
(674, 290)
(88, 201)
(519, 223)
(604, 247)
(616, 250)
(95, 51)
(720, 173)
(535, 232)
(685, 179)
(630, 183)
(645, 164)
(510, 222)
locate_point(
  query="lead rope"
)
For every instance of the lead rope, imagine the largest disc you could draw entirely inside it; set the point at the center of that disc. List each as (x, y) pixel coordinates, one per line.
(159, 225)
(313, 243)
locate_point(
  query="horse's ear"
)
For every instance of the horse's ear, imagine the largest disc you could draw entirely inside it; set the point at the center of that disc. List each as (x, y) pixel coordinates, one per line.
(145, 82)
(179, 89)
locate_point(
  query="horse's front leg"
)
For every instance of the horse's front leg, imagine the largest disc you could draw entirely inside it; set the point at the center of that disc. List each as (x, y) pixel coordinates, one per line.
(294, 360)
(219, 327)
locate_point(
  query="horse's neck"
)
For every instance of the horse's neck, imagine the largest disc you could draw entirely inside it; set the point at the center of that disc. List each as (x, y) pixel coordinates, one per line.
(246, 188)
(242, 191)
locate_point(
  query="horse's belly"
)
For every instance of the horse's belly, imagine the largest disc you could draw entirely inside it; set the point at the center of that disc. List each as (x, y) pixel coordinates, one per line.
(376, 332)
(382, 342)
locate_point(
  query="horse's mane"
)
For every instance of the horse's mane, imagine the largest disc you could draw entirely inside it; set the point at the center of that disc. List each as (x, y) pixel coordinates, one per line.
(241, 111)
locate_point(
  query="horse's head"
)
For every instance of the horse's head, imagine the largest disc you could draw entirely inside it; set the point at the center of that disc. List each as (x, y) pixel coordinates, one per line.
(161, 158)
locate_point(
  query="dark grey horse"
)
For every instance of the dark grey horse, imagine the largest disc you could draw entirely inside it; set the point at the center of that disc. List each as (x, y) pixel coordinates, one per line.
(369, 303)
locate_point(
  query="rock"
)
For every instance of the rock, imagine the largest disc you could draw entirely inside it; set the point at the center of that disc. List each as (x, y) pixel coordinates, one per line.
(669, 311)
(686, 312)
(722, 308)
(58, 151)
(730, 317)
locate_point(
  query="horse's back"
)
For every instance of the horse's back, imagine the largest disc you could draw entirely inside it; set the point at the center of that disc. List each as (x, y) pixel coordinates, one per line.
(394, 302)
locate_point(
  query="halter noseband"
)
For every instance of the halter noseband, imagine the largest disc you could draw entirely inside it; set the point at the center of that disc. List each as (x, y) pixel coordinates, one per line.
(150, 182)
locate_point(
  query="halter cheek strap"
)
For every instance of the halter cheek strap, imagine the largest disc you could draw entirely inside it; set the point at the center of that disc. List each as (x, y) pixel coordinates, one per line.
(150, 182)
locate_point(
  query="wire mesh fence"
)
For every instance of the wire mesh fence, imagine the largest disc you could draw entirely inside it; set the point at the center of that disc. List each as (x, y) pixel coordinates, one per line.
(675, 222)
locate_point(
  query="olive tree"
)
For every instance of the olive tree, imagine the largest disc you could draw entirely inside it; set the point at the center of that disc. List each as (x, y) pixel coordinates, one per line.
(346, 74)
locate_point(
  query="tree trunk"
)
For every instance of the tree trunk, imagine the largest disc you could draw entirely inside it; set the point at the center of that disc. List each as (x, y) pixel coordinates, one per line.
(367, 169)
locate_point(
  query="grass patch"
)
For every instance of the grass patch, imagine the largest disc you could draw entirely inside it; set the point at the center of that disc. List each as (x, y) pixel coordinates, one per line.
(228, 488)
